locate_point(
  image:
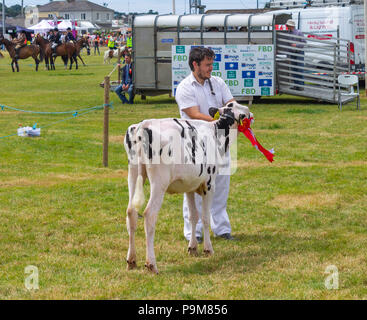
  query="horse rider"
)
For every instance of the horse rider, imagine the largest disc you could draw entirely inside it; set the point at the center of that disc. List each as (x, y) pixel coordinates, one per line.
(69, 36)
(55, 39)
(20, 42)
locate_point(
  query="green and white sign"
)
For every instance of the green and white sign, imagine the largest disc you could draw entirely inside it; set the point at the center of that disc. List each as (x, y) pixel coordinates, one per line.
(248, 70)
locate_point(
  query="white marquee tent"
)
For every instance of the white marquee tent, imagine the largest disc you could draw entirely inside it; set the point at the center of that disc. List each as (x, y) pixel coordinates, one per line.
(46, 25)
(42, 26)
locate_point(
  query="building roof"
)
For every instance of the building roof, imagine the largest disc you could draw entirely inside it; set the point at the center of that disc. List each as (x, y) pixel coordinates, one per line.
(73, 6)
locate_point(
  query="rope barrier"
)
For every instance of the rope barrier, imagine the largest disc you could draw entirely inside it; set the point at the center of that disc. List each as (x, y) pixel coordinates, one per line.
(62, 65)
(109, 75)
(2, 107)
(75, 113)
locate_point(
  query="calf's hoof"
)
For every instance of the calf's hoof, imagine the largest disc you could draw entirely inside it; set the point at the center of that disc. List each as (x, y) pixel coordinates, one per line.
(192, 251)
(151, 268)
(131, 264)
(208, 252)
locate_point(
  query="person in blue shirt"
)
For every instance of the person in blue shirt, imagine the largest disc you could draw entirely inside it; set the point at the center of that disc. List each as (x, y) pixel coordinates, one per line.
(126, 82)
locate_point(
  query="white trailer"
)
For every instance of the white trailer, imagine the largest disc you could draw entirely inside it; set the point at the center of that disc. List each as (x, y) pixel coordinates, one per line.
(155, 35)
(324, 20)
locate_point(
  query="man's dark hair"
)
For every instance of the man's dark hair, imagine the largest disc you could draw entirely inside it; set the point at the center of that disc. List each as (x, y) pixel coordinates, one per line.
(198, 54)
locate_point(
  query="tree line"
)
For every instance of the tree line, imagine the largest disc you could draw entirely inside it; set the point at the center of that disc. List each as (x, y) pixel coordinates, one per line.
(12, 11)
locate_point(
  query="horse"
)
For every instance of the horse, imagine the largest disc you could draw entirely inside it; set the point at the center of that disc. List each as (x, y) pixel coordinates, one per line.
(66, 50)
(24, 52)
(79, 44)
(45, 48)
(109, 54)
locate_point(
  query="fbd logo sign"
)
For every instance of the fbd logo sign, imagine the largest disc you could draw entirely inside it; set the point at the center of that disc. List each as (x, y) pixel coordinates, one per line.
(231, 74)
(231, 66)
(249, 83)
(215, 66)
(265, 91)
(180, 49)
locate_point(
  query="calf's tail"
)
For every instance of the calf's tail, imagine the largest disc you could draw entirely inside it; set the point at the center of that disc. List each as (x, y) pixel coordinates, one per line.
(138, 199)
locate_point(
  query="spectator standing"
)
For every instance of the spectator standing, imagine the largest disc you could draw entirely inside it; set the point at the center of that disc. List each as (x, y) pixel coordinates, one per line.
(129, 39)
(96, 41)
(296, 54)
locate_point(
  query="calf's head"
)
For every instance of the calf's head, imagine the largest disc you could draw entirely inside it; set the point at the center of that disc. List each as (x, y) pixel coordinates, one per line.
(231, 114)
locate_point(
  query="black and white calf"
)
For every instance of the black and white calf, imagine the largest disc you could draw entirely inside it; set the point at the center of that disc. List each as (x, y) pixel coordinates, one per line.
(177, 156)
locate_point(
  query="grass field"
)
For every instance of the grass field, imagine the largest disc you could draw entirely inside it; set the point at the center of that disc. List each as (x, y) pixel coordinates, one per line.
(63, 212)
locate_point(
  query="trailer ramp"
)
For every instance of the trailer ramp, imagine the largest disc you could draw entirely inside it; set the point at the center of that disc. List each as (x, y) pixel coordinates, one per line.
(309, 66)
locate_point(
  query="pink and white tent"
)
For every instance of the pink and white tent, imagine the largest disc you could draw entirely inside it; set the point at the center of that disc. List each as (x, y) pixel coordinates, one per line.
(43, 26)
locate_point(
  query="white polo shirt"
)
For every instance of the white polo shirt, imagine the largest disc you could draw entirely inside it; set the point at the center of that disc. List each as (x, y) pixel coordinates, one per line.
(190, 93)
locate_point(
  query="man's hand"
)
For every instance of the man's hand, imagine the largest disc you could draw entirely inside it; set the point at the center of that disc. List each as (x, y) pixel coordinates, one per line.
(194, 113)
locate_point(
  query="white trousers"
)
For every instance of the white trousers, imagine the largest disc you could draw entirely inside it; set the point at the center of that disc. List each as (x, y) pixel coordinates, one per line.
(219, 221)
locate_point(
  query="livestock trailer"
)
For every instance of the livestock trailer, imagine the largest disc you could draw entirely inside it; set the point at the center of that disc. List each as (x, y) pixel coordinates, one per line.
(154, 36)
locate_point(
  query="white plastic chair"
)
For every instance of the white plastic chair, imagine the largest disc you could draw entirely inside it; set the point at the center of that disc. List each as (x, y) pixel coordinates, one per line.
(351, 81)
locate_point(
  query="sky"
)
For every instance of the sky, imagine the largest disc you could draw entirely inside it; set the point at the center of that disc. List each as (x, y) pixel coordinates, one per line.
(162, 6)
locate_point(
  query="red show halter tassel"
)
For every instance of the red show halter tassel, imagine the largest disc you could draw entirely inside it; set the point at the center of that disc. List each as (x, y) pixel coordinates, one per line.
(246, 130)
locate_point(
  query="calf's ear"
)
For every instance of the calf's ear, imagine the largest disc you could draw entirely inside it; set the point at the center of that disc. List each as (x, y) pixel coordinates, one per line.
(212, 111)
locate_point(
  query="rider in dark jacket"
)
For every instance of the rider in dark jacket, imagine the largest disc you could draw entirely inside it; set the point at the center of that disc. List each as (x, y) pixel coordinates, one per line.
(55, 40)
(69, 36)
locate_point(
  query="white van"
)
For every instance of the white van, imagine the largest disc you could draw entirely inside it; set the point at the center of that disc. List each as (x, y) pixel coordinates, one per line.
(334, 22)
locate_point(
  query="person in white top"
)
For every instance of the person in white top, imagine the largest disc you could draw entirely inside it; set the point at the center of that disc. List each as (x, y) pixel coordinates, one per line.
(195, 95)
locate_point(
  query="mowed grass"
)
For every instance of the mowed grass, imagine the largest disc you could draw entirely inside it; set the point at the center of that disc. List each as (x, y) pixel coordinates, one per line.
(63, 212)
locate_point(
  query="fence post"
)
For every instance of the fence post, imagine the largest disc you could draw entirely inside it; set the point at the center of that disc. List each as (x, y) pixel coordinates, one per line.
(106, 120)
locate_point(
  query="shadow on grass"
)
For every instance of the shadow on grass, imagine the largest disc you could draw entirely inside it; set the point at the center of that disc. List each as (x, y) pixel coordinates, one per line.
(246, 254)
(157, 101)
(57, 74)
(294, 100)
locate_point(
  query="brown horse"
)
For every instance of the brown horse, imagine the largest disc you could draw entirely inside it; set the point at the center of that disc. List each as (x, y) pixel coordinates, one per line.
(45, 48)
(67, 51)
(24, 53)
(81, 43)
